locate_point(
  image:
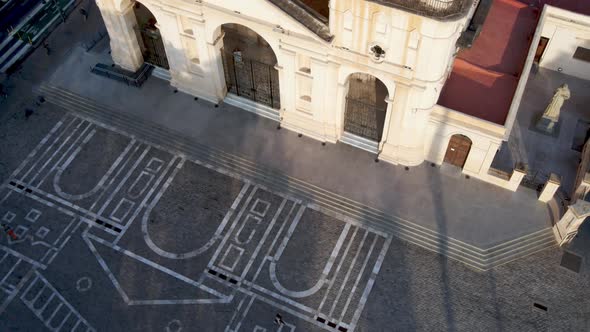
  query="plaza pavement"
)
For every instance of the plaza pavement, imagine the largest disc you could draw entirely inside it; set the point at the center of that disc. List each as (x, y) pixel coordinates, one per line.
(109, 226)
(166, 242)
(468, 210)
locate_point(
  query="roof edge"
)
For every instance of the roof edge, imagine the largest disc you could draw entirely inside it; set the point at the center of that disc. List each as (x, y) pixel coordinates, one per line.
(456, 10)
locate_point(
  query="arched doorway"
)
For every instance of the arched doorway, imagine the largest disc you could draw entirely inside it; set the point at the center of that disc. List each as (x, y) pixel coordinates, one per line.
(249, 66)
(458, 150)
(149, 37)
(364, 114)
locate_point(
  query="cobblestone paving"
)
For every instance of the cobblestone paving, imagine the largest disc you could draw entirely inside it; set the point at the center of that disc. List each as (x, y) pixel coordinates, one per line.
(108, 226)
(117, 235)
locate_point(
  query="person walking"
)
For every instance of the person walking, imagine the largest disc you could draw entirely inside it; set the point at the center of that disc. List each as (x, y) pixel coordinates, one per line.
(46, 47)
(84, 13)
(279, 320)
(9, 231)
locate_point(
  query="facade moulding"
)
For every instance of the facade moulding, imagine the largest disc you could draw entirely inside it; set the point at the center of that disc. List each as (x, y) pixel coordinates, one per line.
(458, 8)
(311, 50)
(469, 123)
(241, 16)
(386, 67)
(186, 7)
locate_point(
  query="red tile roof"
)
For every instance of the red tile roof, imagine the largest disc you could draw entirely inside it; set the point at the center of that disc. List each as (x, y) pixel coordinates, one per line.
(479, 92)
(578, 6)
(484, 78)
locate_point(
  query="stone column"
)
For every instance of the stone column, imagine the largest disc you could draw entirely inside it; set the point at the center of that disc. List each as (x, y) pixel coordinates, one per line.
(550, 188)
(282, 94)
(169, 30)
(331, 104)
(388, 116)
(413, 136)
(341, 91)
(567, 227)
(120, 25)
(215, 67)
(408, 123)
(287, 66)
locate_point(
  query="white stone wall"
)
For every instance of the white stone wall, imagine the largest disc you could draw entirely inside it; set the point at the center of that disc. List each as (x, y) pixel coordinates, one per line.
(486, 138)
(419, 53)
(566, 32)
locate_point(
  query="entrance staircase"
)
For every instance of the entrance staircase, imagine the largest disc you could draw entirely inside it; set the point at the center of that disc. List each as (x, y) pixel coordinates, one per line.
(169, 140)
(162, 74)
(360, 142)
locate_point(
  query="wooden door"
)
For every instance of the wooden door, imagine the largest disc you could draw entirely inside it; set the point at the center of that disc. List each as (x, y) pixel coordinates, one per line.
(541, 49)
(458, 150)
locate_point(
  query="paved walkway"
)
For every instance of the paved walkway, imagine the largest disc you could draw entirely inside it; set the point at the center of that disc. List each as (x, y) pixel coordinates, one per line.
(546, 154)
(464, 209)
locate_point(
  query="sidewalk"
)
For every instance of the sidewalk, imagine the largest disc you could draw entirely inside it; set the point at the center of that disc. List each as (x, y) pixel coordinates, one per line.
(464, 209)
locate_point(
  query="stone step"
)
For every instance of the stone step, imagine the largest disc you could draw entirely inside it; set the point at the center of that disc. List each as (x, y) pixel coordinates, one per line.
(493, 250)
(162, 74)
(360, 142)
(442, 247)
(252, 106)
(521, 242)
(478, 258)
(524, 251)
(342, 208)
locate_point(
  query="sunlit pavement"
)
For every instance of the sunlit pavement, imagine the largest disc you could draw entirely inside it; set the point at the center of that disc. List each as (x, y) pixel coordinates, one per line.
(116, 234)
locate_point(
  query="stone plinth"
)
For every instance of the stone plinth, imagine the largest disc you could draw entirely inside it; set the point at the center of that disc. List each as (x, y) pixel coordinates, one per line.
(550, 188)
(567, 227)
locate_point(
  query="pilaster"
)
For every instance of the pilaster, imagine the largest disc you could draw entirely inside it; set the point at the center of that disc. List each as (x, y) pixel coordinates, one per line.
(121, 27)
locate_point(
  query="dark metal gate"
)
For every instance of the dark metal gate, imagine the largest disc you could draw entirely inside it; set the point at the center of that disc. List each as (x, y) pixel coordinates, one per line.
(251, 79)
(364, 119)
(153, 50)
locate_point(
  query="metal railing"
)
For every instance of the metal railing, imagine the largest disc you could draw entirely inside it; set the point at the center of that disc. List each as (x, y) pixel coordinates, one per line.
(438, 9)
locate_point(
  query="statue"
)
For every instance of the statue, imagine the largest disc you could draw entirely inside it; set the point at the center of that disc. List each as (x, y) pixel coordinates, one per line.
(551, 115)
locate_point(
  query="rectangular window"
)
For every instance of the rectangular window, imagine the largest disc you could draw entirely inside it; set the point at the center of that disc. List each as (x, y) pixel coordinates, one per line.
(582, 54)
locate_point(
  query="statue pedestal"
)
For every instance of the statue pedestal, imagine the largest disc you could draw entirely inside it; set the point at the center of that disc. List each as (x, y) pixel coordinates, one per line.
(546, 126)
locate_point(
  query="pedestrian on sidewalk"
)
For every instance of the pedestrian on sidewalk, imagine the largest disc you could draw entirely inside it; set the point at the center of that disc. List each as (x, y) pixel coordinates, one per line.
(84, 13)
(3, 93)
(46, 47)
(279, 320)
(9, 231)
